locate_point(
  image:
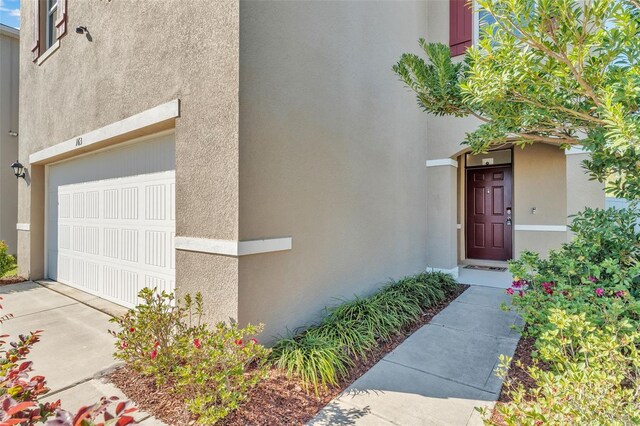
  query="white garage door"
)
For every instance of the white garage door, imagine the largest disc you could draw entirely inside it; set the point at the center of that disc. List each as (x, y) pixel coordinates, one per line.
(111, 221)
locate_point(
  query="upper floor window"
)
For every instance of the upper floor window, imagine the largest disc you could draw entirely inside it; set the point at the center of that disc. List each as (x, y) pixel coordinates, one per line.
(466, 21)
(49, 25)
(51, 18)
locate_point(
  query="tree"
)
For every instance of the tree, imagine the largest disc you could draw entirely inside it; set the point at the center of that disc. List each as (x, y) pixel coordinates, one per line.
(553, 71)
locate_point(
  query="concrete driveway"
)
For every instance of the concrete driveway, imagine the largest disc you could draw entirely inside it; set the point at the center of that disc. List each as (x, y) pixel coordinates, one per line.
(75, 350)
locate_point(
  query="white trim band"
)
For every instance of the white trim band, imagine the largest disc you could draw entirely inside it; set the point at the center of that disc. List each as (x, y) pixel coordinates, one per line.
(139, 121)
(23, 226)
(575, 150)
(233, 247)
(442, 162)
(454, 272)
(543, 228)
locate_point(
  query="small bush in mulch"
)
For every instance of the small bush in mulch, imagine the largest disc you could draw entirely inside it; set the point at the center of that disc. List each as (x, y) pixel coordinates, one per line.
(590, 376)
(280, 399)
(209, 370)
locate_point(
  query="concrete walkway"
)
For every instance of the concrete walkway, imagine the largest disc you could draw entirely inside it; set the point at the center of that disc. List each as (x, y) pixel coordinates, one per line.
(439, 374)
(75, 349)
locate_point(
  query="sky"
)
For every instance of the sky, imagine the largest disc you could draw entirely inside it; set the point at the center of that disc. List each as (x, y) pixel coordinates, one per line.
(10, 13)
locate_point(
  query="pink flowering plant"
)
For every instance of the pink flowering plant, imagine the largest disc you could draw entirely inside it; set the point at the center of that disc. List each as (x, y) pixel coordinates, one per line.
(595, 274)
(211, 367)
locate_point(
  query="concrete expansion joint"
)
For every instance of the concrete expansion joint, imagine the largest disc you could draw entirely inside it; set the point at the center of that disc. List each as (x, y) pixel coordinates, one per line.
(442, 377)
(367, 409)
(99, 375)
(477, 333)
(44, 310)
(76, 301)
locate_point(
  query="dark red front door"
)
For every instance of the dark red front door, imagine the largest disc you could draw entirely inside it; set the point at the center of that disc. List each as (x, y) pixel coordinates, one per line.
(489, 218)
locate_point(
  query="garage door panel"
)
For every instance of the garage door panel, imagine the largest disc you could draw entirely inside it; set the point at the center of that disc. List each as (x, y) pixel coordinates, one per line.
(112, 237)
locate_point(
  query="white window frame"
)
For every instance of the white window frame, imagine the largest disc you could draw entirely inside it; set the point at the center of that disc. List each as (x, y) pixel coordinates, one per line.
(476, 24)
(50, 23)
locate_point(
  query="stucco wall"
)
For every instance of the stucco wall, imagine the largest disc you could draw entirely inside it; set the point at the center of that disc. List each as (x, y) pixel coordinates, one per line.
(130, 63)
(332, 153)
(540, 182)
(581, 191)
(9, 75)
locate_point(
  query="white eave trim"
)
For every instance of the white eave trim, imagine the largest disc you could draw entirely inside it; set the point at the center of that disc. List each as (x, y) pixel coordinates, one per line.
(542, 228)
(233, 247)
(9, 31)
(80, 143)
(23, 226)
(576, 150)
(442, 162)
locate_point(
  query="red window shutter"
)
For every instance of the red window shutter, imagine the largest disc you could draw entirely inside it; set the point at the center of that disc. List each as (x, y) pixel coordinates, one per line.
(460, 26)
(35, 50)
(61, 22)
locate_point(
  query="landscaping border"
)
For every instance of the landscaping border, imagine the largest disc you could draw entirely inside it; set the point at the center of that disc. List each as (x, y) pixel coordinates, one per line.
(275, 400)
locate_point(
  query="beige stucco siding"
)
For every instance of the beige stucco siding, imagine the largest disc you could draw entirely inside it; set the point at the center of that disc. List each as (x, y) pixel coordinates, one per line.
(540, 182)
(130, 63)
(9, 76)
(332, 153)
(581, 190)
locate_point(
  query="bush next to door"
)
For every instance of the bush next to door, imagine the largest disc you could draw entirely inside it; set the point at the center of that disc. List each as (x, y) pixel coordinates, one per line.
(590, 378)
(582, 305)
(211, 368)
(323, 353)
(597, 273)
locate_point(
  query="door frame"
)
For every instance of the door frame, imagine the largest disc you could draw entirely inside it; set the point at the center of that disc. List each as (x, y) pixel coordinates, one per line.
(466, 206)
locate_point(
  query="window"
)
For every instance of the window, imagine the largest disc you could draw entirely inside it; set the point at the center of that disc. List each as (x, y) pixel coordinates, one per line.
(49, 25)
(52, 17)
(481, 19)
(465, 25)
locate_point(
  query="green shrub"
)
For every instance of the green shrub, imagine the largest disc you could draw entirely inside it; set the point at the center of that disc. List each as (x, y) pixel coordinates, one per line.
(218, 369)
(211, 368)
(7, 262)
(314, 359)
(592, 380)
(322, 354)
(596, 273)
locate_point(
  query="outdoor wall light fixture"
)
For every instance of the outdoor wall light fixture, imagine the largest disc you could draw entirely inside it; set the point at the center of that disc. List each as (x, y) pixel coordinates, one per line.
(13, 133)
(81, 30)
(18, 170)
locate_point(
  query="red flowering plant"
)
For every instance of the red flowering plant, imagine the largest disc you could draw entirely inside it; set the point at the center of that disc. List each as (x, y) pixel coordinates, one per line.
(213, 368)
(20, 390)
(147, 335)
(218, 368)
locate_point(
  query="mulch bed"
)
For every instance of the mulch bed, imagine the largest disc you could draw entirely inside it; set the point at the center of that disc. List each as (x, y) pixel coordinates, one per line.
(278, 400)
(11, 280)
(517, 374)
